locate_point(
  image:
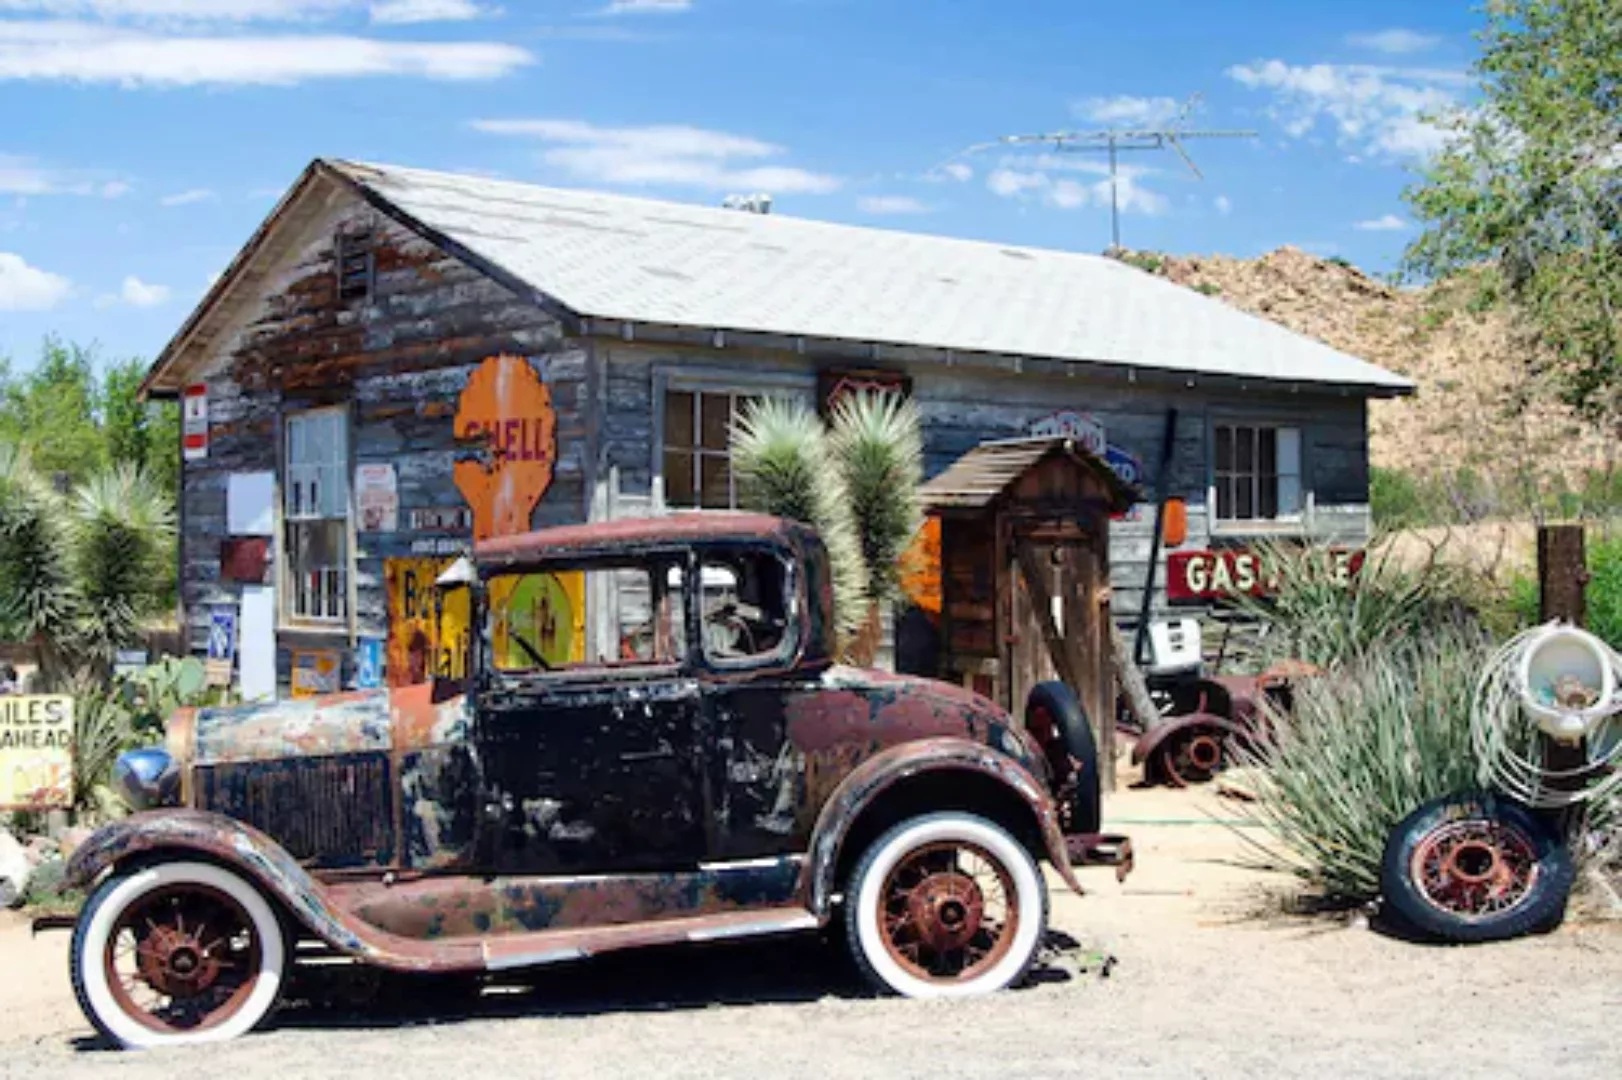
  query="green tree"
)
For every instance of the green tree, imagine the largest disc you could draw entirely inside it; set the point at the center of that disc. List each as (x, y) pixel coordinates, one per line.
(145, 434)
(1527, 196)
(54, 410)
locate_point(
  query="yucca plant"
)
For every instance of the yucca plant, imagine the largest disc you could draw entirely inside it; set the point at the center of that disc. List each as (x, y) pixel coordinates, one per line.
(121, 525)
(875, 439)
(78, 572)
(1363, 747)
(783, 464)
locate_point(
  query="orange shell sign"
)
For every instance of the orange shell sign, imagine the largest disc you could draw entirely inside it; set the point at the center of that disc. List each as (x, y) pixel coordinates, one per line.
(506, 411)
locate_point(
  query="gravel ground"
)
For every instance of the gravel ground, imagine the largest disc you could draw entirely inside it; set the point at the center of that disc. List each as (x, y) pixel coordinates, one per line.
(1202, 983)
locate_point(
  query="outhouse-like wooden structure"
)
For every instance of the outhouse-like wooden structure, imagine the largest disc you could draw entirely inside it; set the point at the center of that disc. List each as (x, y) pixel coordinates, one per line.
(1024, 561)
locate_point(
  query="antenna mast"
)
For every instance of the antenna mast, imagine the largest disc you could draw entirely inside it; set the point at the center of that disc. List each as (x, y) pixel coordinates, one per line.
(1115, 140)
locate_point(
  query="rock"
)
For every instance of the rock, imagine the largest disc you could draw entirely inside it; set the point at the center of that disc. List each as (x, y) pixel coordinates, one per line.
(15, 870)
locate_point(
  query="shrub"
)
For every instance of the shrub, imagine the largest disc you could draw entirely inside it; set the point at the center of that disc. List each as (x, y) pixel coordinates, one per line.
(1363, 747)
(1397, 500)
(1604, 594)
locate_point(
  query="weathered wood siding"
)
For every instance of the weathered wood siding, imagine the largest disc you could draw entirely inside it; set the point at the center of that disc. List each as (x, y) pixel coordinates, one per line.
(398, 362)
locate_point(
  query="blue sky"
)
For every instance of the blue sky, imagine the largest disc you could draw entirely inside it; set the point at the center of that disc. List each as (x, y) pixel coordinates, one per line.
(141, 141)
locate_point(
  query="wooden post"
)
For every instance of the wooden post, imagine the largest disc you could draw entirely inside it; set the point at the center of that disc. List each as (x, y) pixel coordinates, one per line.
(1562, 594)
(1562, 574)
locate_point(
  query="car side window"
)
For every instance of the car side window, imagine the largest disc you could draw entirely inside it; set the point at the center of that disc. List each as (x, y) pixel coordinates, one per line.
(745, 606)
(597, 618)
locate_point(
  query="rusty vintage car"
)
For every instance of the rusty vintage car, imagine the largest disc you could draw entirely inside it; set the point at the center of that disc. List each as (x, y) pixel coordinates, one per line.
(702, 769)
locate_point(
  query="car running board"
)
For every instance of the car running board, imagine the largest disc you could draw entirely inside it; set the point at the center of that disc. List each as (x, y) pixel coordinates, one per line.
(559, 946)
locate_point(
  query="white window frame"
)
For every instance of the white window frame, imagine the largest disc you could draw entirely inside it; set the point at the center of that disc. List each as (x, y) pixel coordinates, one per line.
(291, 511)
(1284, 522)
(739, 383)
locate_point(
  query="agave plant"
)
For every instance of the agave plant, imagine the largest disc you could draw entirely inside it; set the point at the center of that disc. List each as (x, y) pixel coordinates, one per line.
(39, 603)
(875, 439)
(121, 525)
(784, 467)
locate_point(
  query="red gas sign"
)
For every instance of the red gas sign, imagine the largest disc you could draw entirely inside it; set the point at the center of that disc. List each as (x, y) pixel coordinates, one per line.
(1229, 572)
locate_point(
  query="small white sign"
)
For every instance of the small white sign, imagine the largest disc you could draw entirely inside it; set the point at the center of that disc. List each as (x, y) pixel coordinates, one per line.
(1068, 424)
(250, 504)
(194, 422)
(377, 495)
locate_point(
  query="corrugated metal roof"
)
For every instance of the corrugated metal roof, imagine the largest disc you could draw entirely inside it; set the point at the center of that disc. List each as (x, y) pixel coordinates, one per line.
(618, 257)
(977, 478)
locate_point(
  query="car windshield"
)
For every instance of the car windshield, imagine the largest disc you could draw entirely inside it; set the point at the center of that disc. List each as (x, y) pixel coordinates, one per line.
(599, 617)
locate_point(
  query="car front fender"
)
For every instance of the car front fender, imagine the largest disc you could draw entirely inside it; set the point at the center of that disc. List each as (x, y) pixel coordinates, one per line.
(878, 774)
(193, 833)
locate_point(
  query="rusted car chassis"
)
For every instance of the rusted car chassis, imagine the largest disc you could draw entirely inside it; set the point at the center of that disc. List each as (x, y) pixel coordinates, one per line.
(710, 774)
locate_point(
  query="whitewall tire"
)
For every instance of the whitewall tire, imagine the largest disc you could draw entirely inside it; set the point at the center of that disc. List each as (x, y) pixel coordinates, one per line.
(177, 953)
(946, 905)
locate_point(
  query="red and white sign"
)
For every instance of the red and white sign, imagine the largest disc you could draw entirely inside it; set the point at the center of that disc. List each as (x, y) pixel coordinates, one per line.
(1082, 427)
(1229, 572)
(194, 422)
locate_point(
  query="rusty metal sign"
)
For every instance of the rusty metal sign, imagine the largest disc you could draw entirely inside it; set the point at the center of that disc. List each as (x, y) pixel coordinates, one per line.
(36, 752)
(506, 413)
(316, 672)
(423, 644)
(1229, 572)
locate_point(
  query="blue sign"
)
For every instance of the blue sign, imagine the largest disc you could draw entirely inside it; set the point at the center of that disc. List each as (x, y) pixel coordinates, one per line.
(222, 633)
(1128, 466)
(369, 664)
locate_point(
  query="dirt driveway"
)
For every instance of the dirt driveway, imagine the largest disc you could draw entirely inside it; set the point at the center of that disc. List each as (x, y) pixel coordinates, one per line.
(1199, 987)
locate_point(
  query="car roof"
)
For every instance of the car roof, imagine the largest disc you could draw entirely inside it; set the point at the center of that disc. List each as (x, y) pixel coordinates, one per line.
(629, 535)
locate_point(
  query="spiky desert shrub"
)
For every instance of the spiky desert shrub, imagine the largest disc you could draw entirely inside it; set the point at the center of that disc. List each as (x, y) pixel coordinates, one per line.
(876, 441)
(1364, 746)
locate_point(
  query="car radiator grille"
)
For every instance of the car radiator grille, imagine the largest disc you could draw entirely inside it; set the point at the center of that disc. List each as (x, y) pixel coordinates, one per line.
(332, 812)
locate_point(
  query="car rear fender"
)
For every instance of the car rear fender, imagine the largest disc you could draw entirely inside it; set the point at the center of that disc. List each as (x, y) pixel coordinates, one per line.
(1152, 740)
(215, 838)
(870, 780)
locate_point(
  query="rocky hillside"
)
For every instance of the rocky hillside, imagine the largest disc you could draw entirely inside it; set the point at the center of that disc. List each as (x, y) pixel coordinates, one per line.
(1465, 363)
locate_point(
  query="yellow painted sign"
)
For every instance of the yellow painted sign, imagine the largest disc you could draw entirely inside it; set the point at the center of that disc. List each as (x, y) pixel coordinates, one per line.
(36, 752)
(547, 610)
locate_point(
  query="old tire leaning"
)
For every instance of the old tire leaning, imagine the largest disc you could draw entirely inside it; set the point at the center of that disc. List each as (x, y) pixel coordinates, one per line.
(946, 905)
(221, 974)
(1475, 867)
(1070, 719)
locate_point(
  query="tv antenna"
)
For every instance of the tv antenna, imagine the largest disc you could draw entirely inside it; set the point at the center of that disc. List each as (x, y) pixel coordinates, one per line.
(1115, 140)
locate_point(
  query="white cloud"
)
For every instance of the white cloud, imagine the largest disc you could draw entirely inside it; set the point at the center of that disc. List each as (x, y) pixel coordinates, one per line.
(891, 204)
(1126, 111)
(1388, 223)
(1378, 110)
(22, 176)
(181, 10)
(1033, 176)
(91, 53)
(186, 198)
(114, 189)
(1395, 41)
(958, 171)
(138, 293)
(404, 12)
(1223, 204)
(673, 154)
(647, 7)
(28, 288)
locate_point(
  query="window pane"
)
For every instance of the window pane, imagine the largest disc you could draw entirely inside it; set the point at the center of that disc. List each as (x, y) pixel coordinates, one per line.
(1244, 449)
(1224, 449)
(1224, 495)
(678, 418)
(1268, 439)
(744, 607)
(715, 479)
(1267, 493)
(317, 563)
(1289, 494)
(717, 417)
(679, 478)
(1244, 500)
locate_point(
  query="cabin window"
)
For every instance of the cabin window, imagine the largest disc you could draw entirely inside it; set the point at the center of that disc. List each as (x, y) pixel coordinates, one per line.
(315, 507)
(1257, 472)
(745, 607)
(639, 610)
(355, 266)
(697, 454)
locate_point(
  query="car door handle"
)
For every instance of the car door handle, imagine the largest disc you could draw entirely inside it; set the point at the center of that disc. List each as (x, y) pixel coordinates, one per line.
(648, 755)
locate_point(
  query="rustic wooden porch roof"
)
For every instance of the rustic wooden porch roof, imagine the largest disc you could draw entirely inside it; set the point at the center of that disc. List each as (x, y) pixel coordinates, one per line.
(978, 478)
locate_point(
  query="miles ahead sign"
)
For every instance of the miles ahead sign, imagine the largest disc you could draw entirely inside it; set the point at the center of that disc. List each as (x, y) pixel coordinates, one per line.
(36, 752)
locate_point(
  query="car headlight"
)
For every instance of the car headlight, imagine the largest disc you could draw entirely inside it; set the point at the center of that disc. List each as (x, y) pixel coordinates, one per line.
(147, 778)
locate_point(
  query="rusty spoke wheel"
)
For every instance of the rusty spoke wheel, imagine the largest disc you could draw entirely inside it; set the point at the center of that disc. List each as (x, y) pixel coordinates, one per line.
(1192, 757)
(1474, 869)
(176, 953)
(946, 905)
